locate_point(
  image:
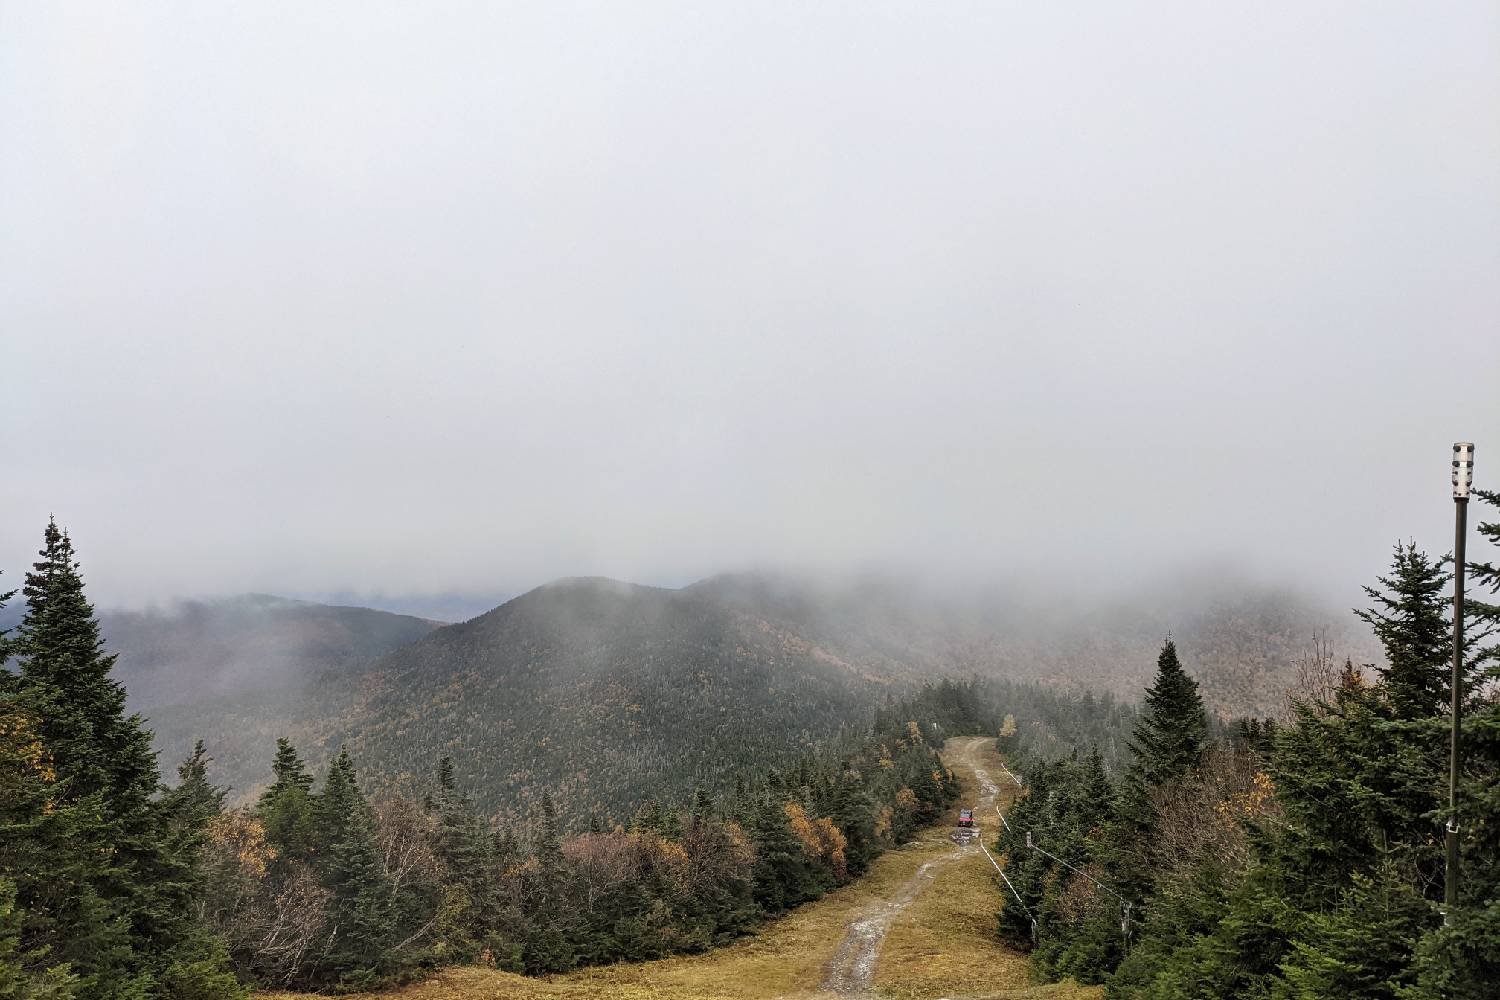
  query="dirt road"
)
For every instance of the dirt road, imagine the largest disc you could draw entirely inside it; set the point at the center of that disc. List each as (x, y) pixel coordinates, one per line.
(852, 971)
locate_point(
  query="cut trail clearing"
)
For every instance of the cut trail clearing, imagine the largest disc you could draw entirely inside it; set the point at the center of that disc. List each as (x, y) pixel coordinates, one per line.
(919, 925)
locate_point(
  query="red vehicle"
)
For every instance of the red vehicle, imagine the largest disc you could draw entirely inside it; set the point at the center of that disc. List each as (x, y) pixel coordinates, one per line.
(966, 817)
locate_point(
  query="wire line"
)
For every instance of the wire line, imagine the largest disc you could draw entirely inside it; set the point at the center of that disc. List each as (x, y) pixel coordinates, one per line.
(1037, 847)
(1024, 909)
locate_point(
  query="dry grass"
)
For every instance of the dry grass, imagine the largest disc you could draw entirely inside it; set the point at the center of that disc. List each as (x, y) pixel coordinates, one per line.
(932, 950)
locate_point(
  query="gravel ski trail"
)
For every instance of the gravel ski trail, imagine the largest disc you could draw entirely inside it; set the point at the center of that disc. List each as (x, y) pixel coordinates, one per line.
(852, 968)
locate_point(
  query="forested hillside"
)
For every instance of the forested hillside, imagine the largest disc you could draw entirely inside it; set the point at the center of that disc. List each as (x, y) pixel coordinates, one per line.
(592, 688)
(1245, 637)
(603, 693)
(599, 692)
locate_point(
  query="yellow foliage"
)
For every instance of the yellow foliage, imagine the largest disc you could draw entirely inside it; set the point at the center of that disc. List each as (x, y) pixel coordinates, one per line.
(19, 737)
(1253, 801)
(907, 799)
(670, 850)
(820, 838)
(741, 847)
(243, 837)
(883, 822)
(834, 842)
(916, 733)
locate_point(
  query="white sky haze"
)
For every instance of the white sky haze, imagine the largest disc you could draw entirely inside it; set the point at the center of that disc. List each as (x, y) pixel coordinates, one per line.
(441, 297)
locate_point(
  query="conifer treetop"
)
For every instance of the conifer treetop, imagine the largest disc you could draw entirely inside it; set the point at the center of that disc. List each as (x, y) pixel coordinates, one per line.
(1411, 618)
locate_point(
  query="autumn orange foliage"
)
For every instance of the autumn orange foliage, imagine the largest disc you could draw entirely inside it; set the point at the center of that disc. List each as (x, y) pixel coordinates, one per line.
(820, 837)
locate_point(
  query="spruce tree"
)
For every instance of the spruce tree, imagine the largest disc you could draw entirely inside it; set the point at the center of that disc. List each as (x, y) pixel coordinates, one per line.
(39, 834)
(466, 849)
(1169, 737)
(199, 965)
(93, 743)
(783, 876)
(360, 922)
(25, 972)
(549, 944)
(1167, 744)
(1098, 793)
(1361, 948)
(1403, 758)
(851, 811)
(1411, 620)
(107, 894)
(286, 808)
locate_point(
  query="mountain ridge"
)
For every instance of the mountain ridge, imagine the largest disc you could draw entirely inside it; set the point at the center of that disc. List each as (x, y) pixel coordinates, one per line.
(608, 692)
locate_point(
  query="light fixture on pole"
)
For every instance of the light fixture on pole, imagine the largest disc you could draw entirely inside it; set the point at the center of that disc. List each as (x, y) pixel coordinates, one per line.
(1463, 478)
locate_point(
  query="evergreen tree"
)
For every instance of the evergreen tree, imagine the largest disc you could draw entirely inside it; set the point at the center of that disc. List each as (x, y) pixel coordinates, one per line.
(850, 809)
(36, 831)
(1361, 948)
(702, 810)
(1411, 621)
(1333, 901)
(108, 893)
(94, 745)
(287, 808)
(549, 946)
(1403, 756)
(1098, 792)
(1167, 744)
(199, 966)
(463, 844)
(360, 922)
(1172, 732)
(783, 876)
(25, 973)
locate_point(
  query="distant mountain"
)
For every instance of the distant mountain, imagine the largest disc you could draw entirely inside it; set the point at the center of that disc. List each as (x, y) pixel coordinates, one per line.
(197, 650)
(1242, 640)
(603, 693)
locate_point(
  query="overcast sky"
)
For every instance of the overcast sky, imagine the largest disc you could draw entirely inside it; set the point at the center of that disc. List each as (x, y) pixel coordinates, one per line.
(414, 298)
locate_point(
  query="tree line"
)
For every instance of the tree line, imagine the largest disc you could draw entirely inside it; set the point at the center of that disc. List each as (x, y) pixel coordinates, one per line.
(1300, 858)
(115, 887)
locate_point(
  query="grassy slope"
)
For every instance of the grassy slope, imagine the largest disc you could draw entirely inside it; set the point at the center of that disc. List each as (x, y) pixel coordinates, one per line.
(943, 945)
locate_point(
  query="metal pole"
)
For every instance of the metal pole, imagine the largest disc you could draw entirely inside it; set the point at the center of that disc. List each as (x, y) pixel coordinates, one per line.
(1463, 465)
